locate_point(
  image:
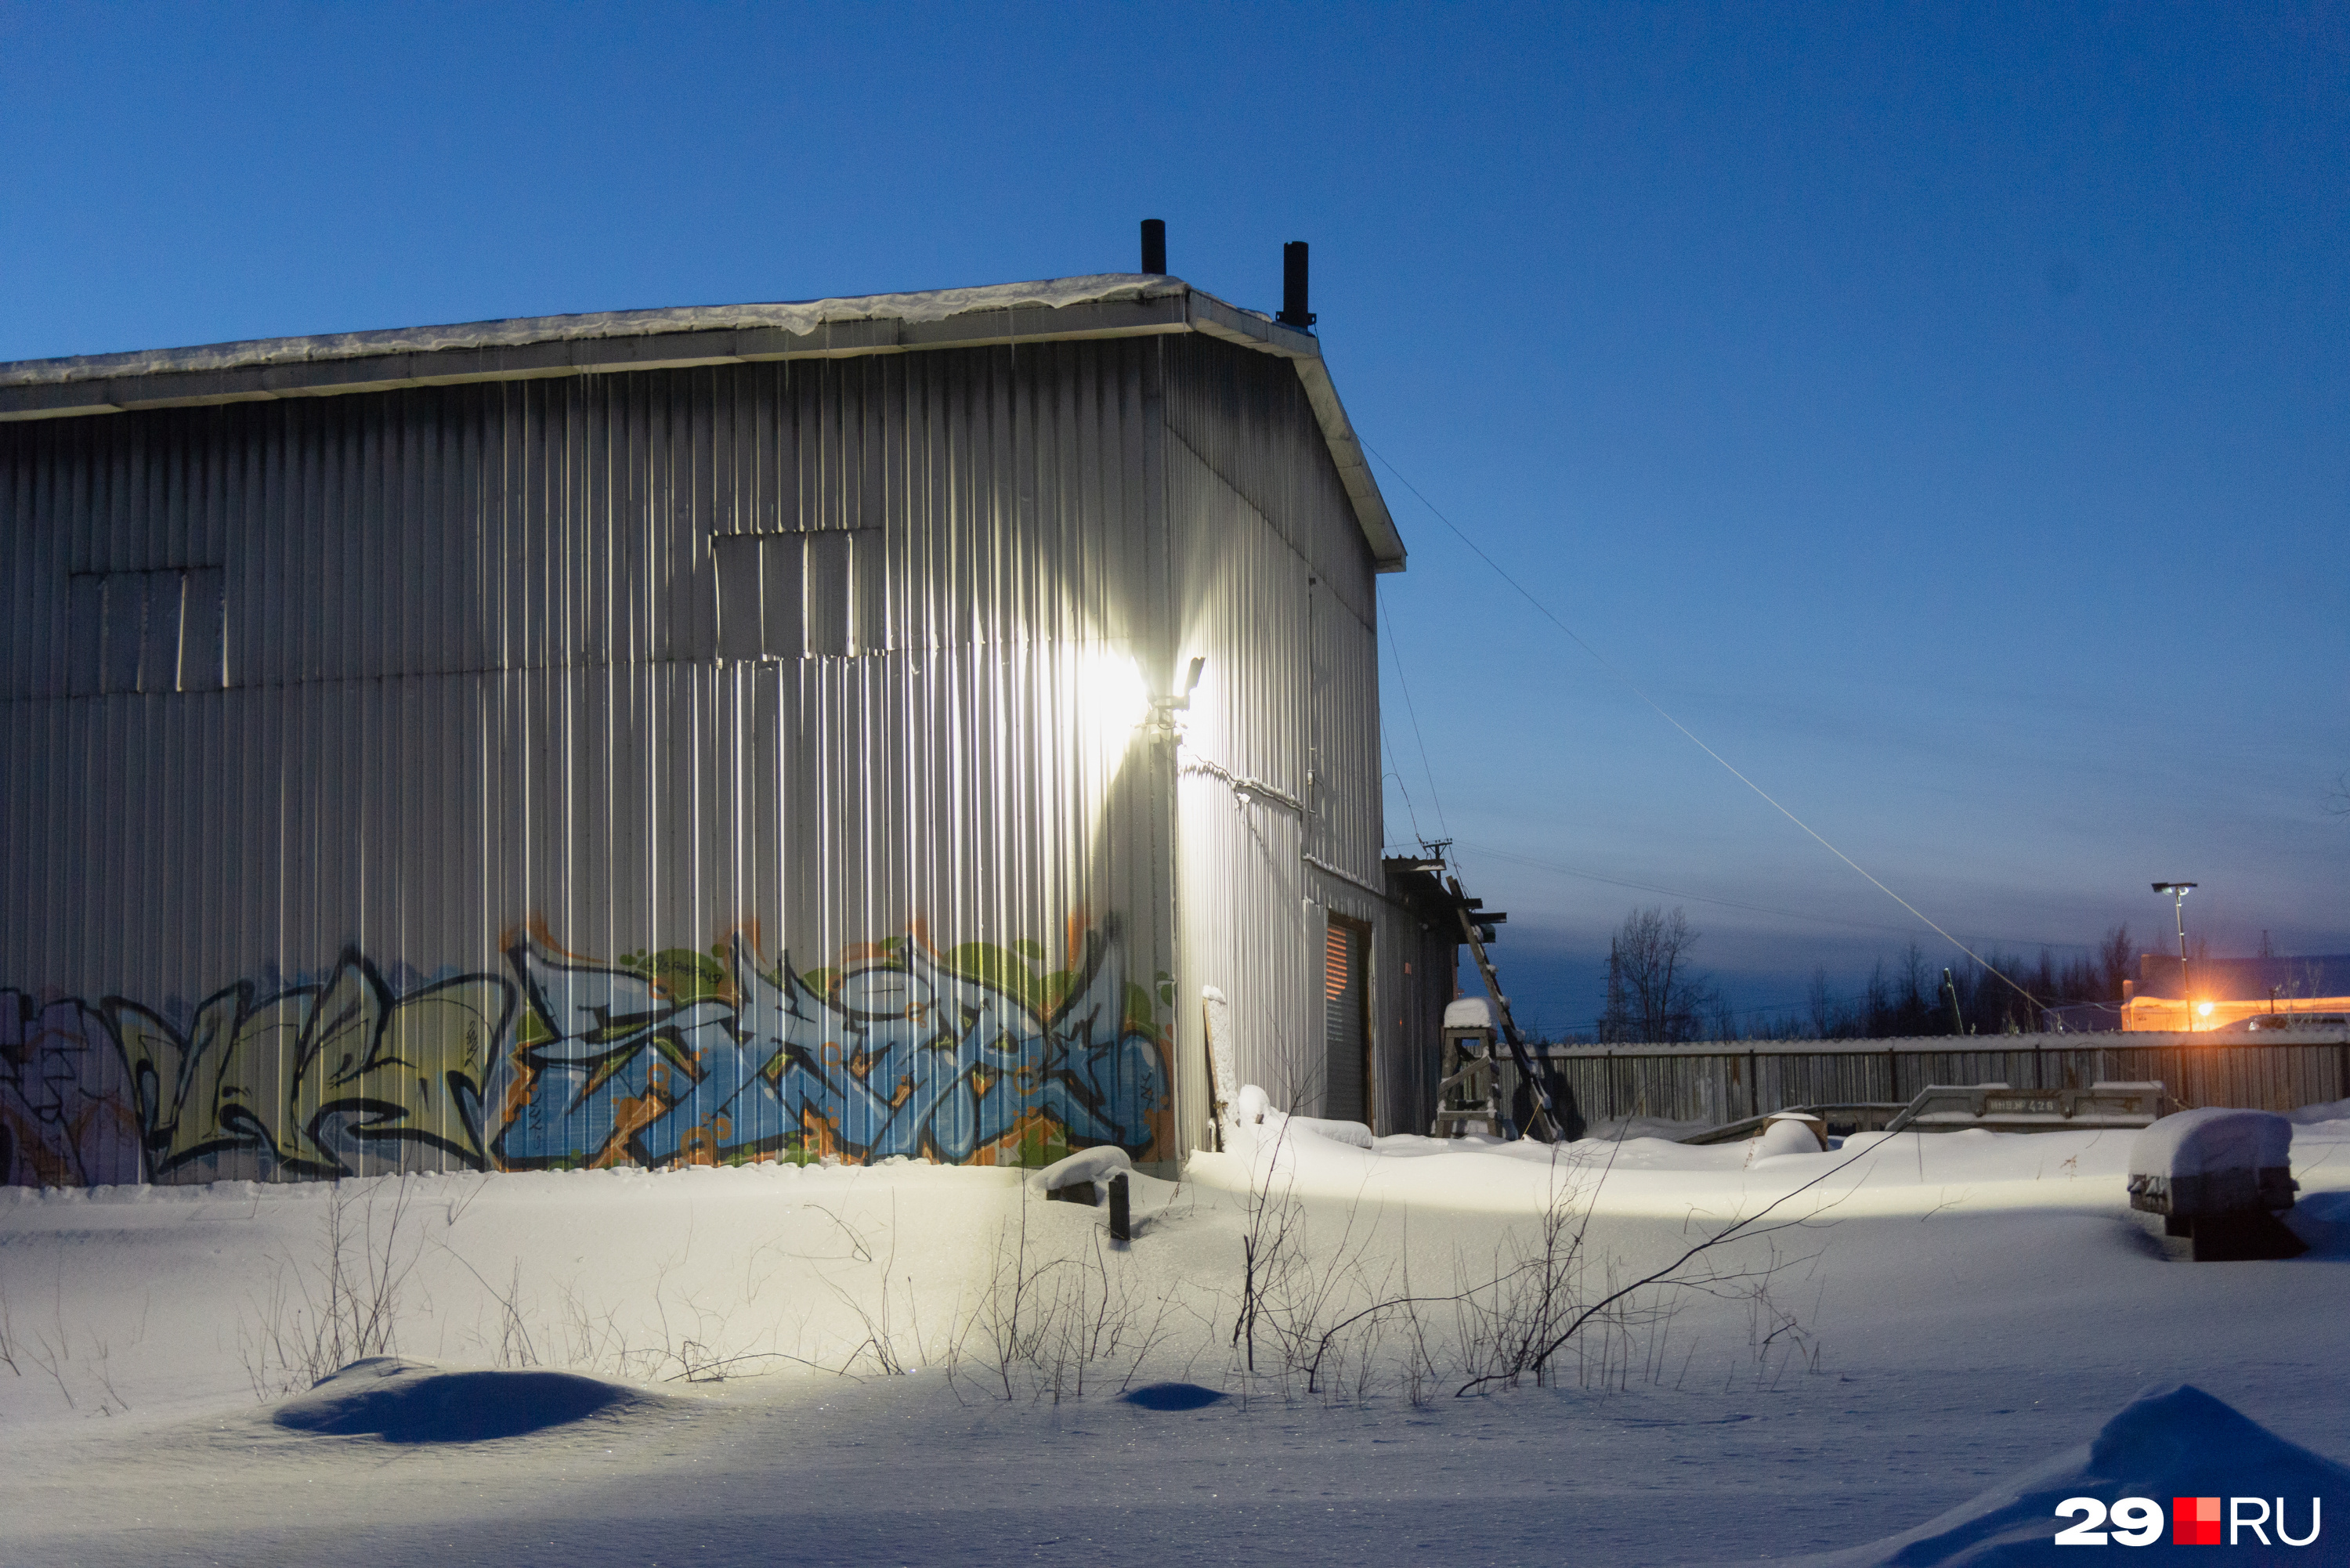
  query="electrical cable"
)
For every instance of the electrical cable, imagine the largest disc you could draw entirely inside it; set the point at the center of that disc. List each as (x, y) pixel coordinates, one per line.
(1735, 903)
(1657, 708)
(1396, 773)
(1395, 656)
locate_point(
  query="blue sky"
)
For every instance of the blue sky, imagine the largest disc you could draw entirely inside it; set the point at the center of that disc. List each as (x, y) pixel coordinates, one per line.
(1944, 412)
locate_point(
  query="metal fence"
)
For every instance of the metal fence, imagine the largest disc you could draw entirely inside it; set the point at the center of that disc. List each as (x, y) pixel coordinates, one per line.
(1715, 1082)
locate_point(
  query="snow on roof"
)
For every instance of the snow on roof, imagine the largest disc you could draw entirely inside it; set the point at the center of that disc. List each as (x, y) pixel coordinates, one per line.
(798, 318)
(1104, 305)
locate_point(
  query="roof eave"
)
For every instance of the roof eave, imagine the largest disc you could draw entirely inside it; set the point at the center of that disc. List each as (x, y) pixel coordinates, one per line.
(287, 368)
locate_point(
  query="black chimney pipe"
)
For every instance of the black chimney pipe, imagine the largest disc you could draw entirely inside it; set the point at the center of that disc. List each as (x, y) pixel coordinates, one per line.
(1293, 287)
(1154, 246)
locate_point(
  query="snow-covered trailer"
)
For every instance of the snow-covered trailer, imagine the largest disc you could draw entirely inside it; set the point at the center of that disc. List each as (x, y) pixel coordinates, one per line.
(859, 728)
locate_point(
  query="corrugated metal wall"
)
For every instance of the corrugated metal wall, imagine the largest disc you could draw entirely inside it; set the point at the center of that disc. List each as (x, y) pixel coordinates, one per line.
(486, 855)
(1279, 792)
(1422, 967)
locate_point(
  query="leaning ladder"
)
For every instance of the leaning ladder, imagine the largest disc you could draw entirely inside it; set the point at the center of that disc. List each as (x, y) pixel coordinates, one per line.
(1543, 1123)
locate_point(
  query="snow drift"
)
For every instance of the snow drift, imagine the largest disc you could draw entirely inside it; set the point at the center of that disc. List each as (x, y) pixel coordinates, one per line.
(413, 1402)
(2167, 1443)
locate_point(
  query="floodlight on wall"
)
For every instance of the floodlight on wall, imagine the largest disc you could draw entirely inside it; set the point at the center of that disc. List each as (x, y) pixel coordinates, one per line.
(1181, 701)
(1164, 709)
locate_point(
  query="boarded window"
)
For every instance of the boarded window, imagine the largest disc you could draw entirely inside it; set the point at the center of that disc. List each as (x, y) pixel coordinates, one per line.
(148, 631)
(793, 596)
(1345, 1021)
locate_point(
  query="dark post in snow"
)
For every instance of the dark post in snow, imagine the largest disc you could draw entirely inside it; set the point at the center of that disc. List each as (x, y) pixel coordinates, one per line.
(1293, 287)
(1154, 246)
(1121, 1222)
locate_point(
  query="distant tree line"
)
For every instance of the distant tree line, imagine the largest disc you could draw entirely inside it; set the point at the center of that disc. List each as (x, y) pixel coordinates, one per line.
(1912, 997)
(1654, 993)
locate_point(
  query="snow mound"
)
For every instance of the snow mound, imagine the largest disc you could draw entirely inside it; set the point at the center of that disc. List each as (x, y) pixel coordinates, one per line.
(1171, 1396)
(412, 1402)
(1353, 1133)
(1258, 1124)
(2168, 1442)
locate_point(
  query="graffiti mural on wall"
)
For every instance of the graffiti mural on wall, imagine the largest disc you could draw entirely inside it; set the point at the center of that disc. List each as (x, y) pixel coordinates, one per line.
(68, 1114)
(675, 1057)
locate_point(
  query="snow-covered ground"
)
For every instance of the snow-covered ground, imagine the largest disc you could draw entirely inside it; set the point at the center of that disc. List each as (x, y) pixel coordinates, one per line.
(911, 1363)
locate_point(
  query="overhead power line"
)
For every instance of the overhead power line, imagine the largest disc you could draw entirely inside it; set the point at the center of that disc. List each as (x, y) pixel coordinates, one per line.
(1737, 903)
(1656, 708)
(1395, 656)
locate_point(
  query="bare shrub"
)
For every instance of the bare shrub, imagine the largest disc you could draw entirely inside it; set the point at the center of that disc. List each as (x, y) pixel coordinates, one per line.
(1053, 1327)
(7, 1336)
(340, 1306)
(1530, 1329)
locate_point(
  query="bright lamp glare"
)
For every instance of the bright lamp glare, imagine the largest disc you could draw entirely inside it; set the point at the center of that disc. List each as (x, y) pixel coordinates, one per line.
(2204, 1008)
(1111, 694)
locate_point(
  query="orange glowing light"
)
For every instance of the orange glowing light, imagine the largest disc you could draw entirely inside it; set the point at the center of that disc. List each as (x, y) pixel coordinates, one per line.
(2204, 1009)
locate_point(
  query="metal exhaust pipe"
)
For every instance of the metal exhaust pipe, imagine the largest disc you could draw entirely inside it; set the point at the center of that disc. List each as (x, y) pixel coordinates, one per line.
(1293, 287)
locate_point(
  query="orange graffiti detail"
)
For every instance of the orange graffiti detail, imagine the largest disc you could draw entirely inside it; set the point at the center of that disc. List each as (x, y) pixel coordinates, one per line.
(521, 1086)
(1031, 1125)
(819, 1135)
(701, 1144)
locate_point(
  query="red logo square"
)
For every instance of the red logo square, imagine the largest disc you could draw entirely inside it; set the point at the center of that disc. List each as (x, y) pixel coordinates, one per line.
(2194, 1522)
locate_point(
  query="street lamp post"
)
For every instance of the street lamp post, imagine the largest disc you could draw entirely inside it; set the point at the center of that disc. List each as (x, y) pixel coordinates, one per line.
(2179, 891)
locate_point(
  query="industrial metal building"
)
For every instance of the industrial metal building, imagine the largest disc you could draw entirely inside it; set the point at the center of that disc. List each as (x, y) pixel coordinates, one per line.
(939, 724)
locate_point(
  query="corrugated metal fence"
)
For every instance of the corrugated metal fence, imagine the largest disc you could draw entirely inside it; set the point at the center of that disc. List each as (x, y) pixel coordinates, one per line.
(1721, 1081)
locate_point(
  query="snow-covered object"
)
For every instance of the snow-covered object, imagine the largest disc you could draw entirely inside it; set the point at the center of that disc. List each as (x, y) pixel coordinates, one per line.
(2165, 1444)
(1816, 1127)
(1469, 1013)
(800, 318)
(1222, 1062)
(1086, 1164)
(1261, 1125)
(2312, 1116)
(2212, 1161)
(1783, 1134)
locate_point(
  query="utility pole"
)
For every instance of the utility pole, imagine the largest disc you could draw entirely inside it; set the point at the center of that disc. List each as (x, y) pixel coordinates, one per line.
(2179, 891)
